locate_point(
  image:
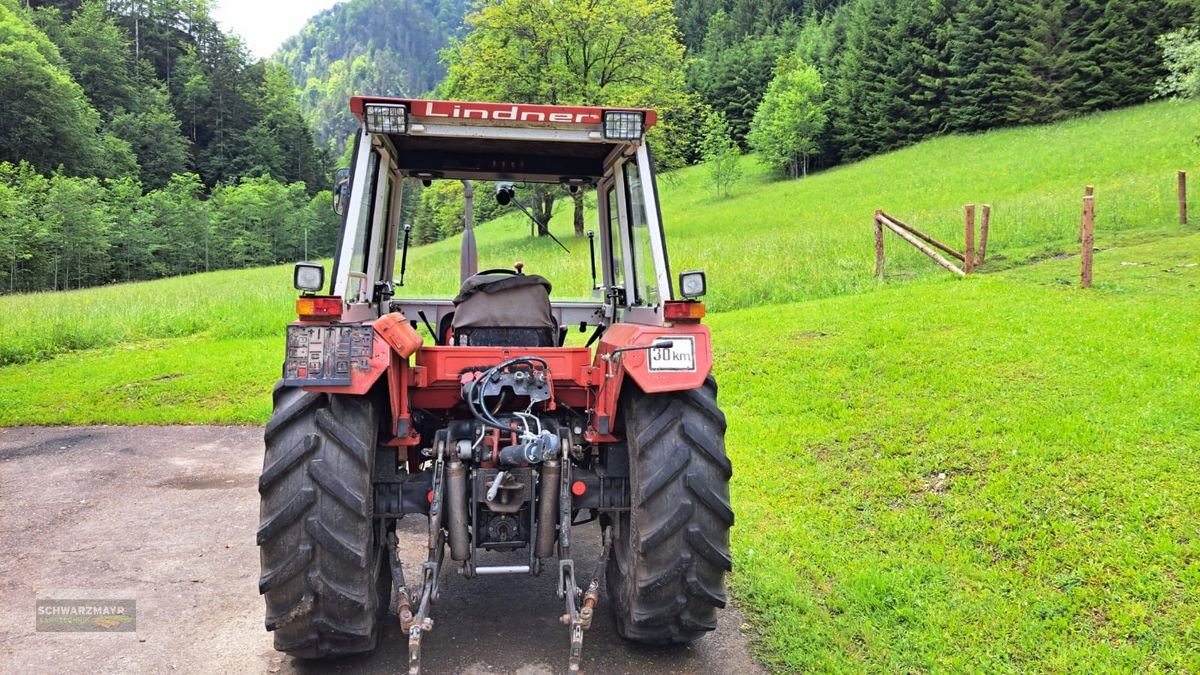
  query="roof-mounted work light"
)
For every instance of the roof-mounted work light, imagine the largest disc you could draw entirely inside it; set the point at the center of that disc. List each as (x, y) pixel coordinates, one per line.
(386, 118)
(623, 125)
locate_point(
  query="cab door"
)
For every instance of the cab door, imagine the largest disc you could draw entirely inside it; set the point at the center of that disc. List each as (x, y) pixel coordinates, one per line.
(637, 275)
(367, 247)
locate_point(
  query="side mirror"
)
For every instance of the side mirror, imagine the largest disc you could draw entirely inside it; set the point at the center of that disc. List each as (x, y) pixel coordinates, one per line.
(341, 190)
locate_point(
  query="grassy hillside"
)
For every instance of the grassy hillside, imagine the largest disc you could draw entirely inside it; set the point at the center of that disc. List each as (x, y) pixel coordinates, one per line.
(773, 242)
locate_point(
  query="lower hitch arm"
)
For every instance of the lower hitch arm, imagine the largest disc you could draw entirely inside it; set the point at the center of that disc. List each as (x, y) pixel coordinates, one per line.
(417, 624)
(579, 618)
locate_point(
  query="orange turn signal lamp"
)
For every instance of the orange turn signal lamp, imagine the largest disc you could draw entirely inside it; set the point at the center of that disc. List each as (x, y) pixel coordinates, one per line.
(683, 311)
(319, 307)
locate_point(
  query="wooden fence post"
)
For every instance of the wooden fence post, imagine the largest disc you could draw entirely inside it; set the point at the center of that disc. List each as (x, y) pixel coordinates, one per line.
(1183, 198)
(983, 233)
(969, 249)
(1087, 236)
(878, 244)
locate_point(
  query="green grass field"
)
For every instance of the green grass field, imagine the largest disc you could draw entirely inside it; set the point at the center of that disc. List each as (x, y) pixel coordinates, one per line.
(931, 474)
(990, 476)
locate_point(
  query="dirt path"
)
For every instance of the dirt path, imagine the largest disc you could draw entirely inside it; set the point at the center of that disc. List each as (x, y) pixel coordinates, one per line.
(167, 516)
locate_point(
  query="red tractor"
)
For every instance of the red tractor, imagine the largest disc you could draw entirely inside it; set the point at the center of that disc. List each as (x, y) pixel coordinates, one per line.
(495, 431)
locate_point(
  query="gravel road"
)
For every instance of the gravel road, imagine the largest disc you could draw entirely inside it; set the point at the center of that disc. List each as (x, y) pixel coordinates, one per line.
(166, 516)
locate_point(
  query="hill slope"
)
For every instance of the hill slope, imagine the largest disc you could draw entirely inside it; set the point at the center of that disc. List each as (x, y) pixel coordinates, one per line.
(367, 47)
(991, 476)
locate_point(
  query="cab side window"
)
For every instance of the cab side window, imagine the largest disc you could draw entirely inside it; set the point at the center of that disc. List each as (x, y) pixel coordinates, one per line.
(366, 217)
(646, 284)
(614, 234)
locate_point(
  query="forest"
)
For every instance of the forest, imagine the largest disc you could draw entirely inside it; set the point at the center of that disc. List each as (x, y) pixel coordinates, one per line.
(383, 48)
(139, 140)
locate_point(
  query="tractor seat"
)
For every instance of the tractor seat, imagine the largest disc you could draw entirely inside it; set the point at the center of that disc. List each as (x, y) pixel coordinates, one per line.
(499, 308)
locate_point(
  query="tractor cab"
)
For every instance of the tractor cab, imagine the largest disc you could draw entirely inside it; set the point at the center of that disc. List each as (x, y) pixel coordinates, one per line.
(577, 147)
(493, 425)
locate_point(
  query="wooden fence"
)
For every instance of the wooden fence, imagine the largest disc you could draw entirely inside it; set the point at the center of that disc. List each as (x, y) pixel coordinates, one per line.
(972, 257)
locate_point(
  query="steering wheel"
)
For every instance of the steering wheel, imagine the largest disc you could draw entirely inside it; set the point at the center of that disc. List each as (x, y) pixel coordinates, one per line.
(520, 269)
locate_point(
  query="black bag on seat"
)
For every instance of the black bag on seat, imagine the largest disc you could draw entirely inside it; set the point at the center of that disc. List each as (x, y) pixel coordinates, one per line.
(503, 310)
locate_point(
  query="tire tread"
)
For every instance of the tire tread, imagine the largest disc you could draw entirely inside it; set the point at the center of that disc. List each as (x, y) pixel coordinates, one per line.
(671, 581)
(323, 571)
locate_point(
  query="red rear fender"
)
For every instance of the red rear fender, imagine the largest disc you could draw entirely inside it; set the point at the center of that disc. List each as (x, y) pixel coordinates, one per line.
(683, 367)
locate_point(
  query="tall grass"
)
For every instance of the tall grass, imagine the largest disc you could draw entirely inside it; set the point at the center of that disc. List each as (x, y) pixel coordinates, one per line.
(774, 241)
(228, 304)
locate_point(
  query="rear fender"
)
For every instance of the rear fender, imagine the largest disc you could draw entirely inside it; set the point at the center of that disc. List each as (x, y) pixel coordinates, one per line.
(651, 374)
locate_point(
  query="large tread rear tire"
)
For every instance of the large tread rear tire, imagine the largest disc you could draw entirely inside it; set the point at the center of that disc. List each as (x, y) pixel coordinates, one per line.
(666, 575)
(324, 576)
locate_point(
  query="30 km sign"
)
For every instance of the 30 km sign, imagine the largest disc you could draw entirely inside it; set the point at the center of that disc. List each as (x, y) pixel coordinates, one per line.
(680, 357)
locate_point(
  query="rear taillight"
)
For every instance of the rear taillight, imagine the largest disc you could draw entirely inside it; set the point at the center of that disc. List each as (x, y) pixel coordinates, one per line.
(683, 311)
(314, 308)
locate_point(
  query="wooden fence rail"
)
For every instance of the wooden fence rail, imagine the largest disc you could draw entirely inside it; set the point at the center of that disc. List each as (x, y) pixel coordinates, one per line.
(970, 257)
(915, 237)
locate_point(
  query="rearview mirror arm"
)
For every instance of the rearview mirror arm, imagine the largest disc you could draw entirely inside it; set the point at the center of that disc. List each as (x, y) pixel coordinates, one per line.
(404, 252)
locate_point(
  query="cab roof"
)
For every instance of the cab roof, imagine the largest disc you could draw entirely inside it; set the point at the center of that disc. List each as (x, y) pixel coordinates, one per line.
(503, 141)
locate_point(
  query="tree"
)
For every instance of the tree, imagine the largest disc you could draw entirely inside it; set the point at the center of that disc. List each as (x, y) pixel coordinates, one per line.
(731, 75)
(573, 52)
(97, 51)
(79, 223)
(287, 149)
(791, 118)
(440, 214)
(181, 222)
(154, 136)
(720, 152)
(1181, 59)
(47, 120)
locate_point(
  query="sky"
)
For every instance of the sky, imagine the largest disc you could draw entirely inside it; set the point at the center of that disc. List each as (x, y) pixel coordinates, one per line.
(265, 24)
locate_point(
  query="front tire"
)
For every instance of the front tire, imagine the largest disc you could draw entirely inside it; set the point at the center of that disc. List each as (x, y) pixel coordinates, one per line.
(671, 551)
(325, 577)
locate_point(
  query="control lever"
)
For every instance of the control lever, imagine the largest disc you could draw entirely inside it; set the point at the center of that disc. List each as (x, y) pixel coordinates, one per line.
(404, 253)
(657, 344)
(495, 489)
(591, 235)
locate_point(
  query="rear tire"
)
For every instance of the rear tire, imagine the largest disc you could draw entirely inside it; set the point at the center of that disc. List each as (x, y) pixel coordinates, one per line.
(666, 574)
(325, 576)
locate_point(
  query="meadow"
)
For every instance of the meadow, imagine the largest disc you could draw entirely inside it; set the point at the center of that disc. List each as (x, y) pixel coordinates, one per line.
(994, 474)
(997, 475)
